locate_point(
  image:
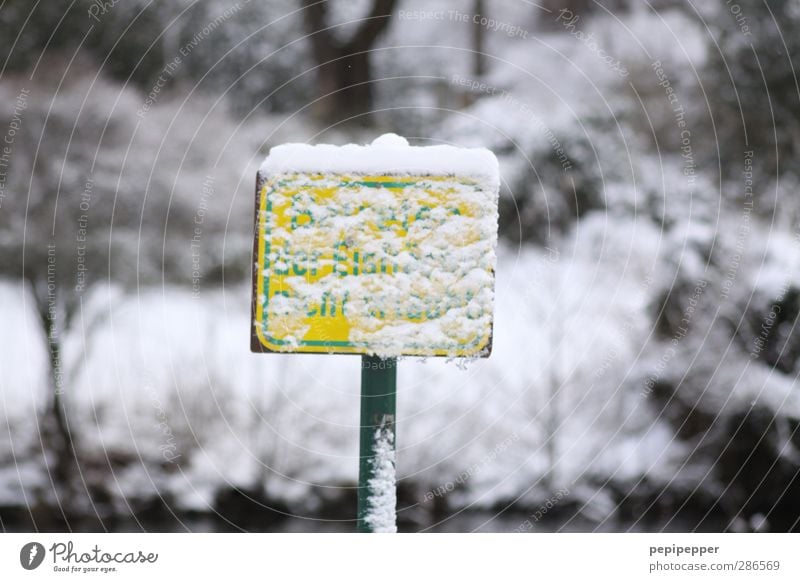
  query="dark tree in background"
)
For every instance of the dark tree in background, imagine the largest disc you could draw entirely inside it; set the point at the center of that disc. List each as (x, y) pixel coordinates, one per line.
(478, 41)
(754, 87)
(344, 73)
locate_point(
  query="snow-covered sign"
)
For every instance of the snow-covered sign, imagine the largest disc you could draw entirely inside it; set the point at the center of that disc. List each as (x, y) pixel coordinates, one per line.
(384, 249)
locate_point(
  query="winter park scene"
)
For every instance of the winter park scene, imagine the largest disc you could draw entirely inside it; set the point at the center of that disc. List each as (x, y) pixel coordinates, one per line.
(399, 266)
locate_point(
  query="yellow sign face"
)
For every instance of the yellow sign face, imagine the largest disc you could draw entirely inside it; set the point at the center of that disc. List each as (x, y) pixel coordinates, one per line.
(385, 265)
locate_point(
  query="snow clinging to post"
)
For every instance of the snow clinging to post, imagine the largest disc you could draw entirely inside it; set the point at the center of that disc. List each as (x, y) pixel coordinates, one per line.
(382, 487)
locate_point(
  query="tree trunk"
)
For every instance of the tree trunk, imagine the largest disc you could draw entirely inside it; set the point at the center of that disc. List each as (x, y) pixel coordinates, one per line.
(355, 82)
(345, 87)
(478, 41)
(57, 438)
(478, 69)
(344, 74)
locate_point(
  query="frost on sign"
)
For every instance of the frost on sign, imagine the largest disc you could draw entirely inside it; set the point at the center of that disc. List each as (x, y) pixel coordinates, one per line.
(384, 249)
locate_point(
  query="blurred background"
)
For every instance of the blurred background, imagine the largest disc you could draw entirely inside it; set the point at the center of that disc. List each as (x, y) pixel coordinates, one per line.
(644, 371)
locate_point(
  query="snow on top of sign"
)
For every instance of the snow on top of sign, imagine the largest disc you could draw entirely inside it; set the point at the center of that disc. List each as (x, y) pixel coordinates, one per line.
(385, 266)
(387, 154)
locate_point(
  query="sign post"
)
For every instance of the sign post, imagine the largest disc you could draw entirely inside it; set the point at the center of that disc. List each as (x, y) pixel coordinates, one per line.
(378, 407)
(383, 251)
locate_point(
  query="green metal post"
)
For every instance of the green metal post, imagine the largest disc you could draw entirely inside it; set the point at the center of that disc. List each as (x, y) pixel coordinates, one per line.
(378, 405)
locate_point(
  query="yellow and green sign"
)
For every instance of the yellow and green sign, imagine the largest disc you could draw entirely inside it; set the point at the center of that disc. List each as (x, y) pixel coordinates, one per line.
(386, 265)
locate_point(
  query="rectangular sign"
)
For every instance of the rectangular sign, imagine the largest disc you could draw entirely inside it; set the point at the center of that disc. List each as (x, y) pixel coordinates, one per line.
(382, 264)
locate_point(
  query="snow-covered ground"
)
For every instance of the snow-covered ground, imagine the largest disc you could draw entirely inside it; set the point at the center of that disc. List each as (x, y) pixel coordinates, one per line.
(166, 381)
(645, 312)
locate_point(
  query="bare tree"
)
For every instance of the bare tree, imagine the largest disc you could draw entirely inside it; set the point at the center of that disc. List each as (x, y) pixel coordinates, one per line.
(99, 189)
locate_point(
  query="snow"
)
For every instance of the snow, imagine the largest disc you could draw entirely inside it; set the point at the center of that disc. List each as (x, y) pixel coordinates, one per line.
(156, 373)
(387, 154)
(382, 501)
(428, 288)
(390, 140)
(571, 340)
(289, 423)
(22, 395)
